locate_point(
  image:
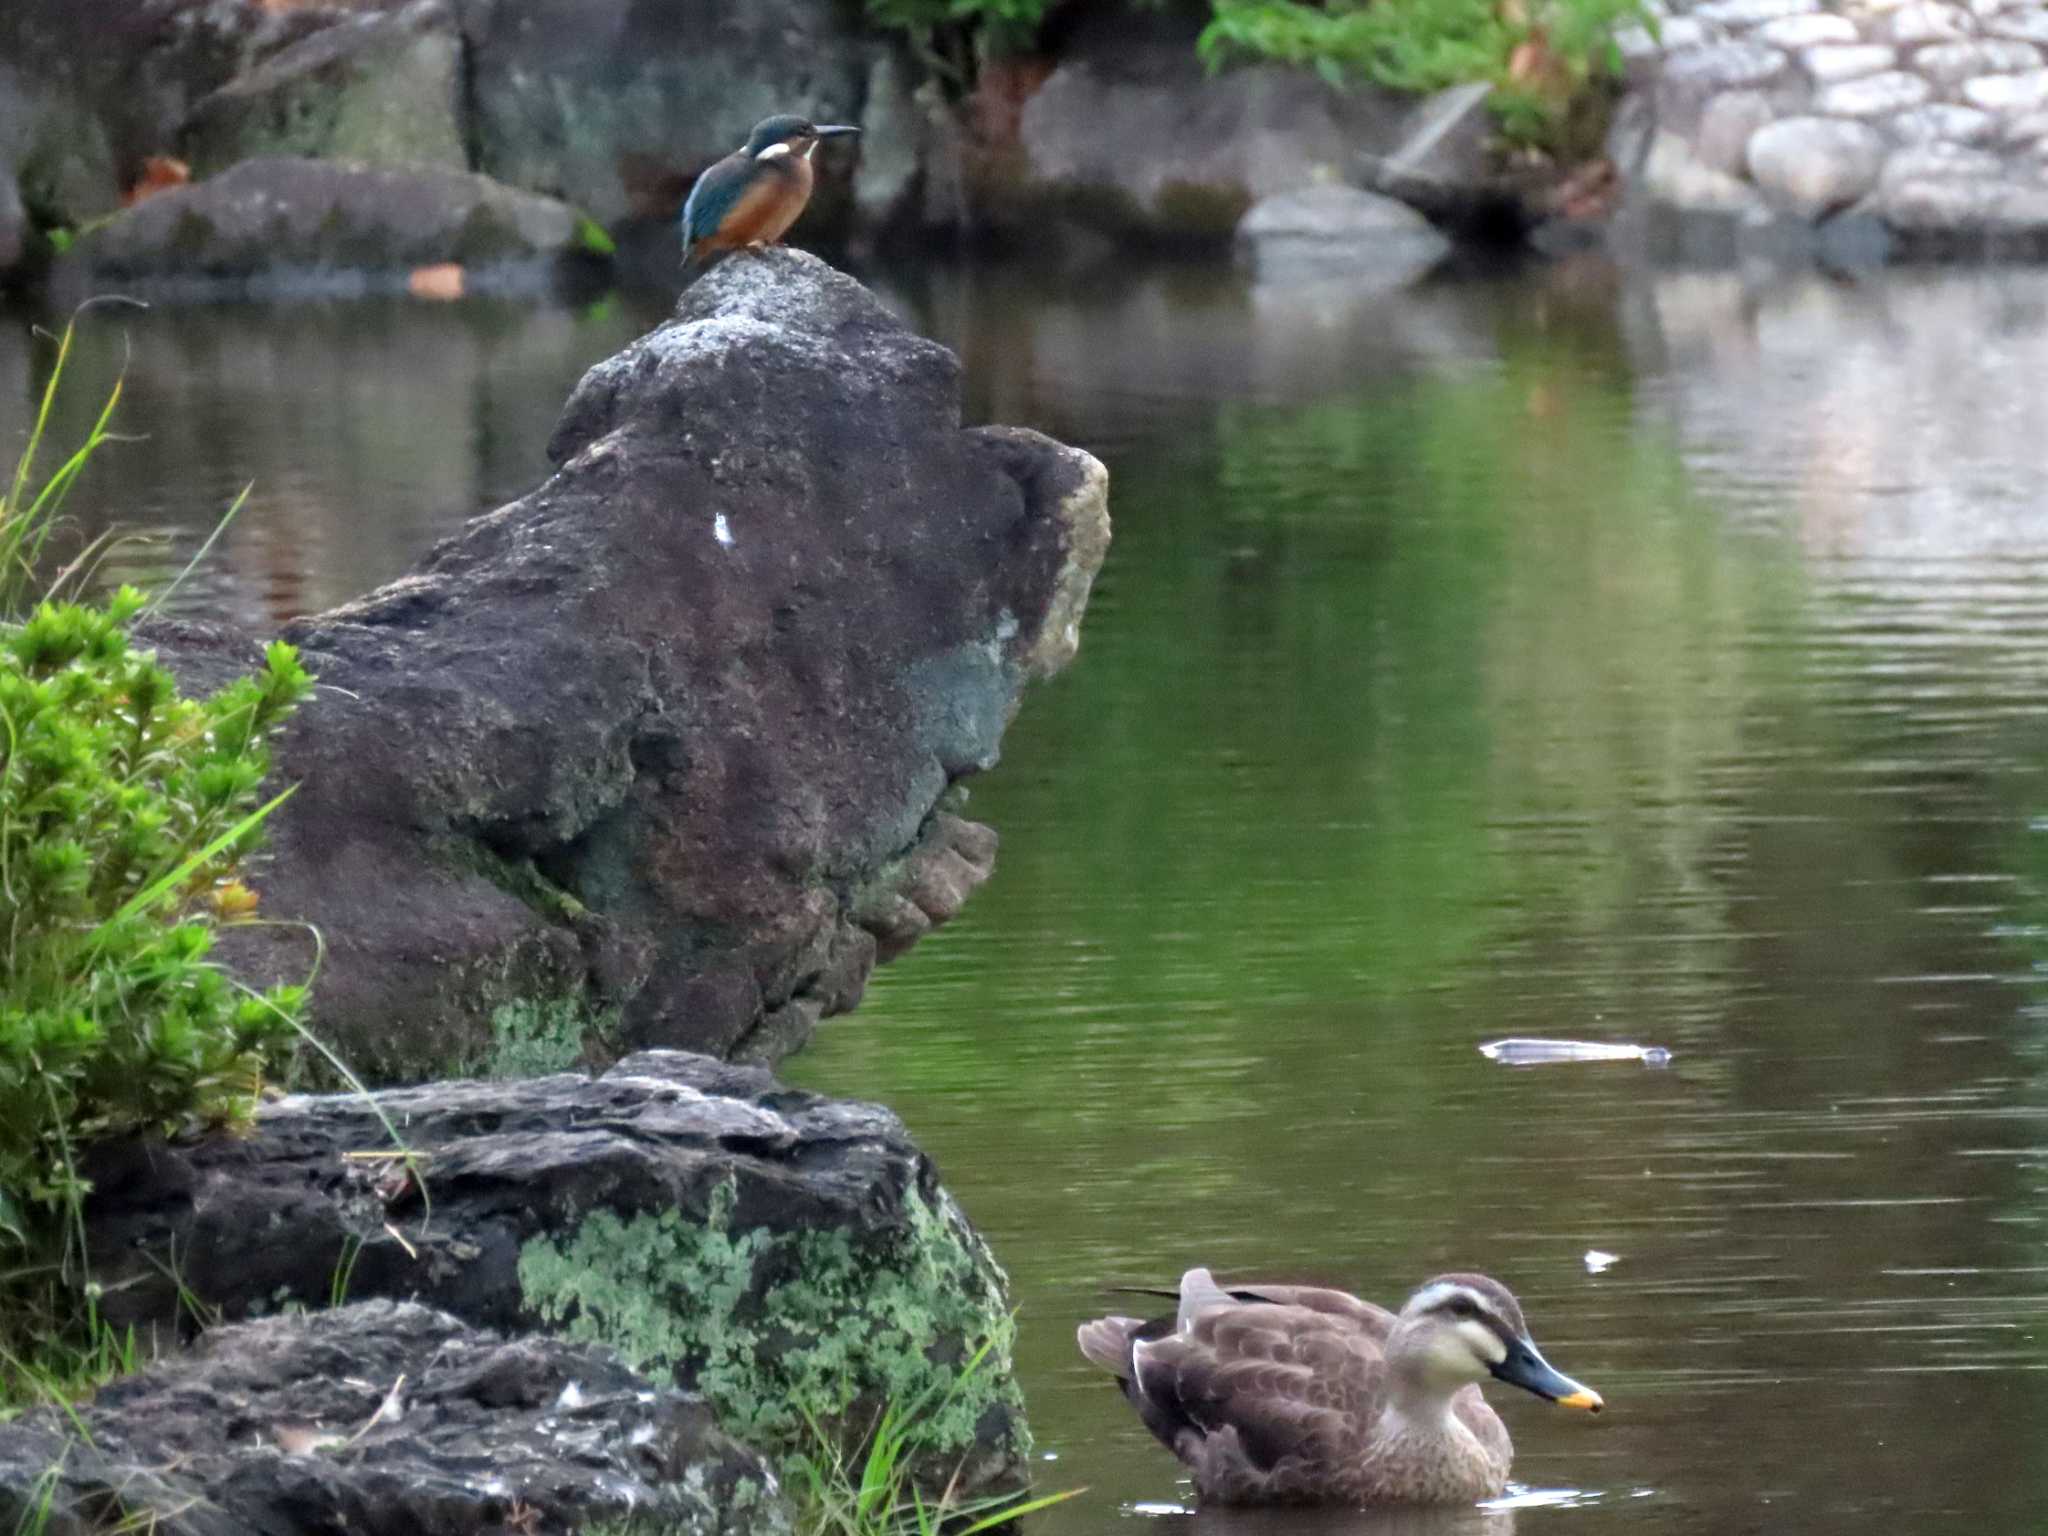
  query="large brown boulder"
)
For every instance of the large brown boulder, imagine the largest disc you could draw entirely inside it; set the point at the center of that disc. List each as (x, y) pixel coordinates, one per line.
(672, 740)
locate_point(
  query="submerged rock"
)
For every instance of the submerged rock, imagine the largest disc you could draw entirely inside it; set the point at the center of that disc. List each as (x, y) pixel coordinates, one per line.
(775, 1251)
(297, 225)
(385, 1419)
(1332, 230)
(669, 741)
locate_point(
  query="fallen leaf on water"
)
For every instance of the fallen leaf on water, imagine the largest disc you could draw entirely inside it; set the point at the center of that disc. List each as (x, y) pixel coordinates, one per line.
(437, 282)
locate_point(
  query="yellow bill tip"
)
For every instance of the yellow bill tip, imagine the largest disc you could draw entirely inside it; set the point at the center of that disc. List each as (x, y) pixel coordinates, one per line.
(1585, 1398)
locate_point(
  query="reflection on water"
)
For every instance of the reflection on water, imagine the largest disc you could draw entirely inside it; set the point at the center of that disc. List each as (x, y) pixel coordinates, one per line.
(1658, 660)
(1188, 1521)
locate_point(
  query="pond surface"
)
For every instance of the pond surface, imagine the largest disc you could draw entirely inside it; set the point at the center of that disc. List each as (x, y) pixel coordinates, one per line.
(1659, 660)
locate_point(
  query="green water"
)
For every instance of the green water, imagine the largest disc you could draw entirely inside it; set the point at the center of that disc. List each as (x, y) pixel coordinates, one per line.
(1549, 657)
(1660, 660)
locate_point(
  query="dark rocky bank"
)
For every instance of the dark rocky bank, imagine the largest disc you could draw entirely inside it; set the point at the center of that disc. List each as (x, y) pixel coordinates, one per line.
(582, 1299)
(669, 746)
(1921, 123)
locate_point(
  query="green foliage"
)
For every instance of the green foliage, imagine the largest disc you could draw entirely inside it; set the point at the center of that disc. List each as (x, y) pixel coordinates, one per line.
(126, 813)
(593, 237)
(782, 1331)
(1005, 25)
(1426, 45)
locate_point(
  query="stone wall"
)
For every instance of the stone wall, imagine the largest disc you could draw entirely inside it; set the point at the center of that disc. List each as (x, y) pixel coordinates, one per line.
(1869, 127)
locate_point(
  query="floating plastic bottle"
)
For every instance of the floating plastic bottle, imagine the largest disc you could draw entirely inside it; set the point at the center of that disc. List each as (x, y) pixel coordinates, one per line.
(1527, 1051)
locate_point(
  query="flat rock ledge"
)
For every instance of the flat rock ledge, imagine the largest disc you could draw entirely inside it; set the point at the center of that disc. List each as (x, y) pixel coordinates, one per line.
(753, 1253)
(666, 751)
(289, 226)
(387, 1419)
(1858, 129)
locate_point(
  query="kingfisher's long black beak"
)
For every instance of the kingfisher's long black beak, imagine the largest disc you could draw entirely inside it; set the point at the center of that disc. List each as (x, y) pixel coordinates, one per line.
(1527, 1369)
(836, 130)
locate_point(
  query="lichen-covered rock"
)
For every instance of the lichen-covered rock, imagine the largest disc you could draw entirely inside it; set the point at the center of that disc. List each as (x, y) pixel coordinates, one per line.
(285, 224)
(776, 1252)
(14, 230)
(385, 1419)
(1131, 135)
(674, 735)
(384, 88)
(103, 84)
(617, 104)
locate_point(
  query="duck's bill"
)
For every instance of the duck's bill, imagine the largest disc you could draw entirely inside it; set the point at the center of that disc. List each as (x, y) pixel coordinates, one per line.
(837, 130)
(1527, 1369)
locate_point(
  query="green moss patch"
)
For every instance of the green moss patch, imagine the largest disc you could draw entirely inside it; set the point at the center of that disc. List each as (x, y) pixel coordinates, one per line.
(778, 1329)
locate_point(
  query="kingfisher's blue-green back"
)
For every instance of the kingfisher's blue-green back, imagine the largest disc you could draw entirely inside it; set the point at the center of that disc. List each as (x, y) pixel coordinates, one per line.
(711, 199)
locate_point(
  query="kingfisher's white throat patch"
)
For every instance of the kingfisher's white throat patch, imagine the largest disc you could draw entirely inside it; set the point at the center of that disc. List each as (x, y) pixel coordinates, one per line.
(772, 151)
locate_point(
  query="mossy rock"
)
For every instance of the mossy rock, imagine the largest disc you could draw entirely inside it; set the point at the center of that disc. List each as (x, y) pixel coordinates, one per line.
(788, 1334)
(792, 1259)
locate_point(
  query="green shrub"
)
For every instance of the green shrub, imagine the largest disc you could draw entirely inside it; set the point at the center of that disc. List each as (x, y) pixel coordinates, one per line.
(1426, 45)
(126, 812)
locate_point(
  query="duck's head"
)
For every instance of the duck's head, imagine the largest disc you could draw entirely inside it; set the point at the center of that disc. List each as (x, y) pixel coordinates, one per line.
(788, 134)
(1465, 1328)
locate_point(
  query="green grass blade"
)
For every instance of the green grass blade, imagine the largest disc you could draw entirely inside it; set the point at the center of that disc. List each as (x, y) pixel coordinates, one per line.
(165, 883)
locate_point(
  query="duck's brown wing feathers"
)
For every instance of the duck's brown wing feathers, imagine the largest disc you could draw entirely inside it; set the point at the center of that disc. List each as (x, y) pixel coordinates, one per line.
(1260, 1397)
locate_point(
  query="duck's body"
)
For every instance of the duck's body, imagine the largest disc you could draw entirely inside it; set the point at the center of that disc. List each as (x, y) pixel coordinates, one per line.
(751, 197)
(1277, 1394)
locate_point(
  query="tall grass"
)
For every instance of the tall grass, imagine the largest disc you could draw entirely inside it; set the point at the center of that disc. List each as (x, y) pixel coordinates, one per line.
(126, 811)
(31, 513)
(878, 1492)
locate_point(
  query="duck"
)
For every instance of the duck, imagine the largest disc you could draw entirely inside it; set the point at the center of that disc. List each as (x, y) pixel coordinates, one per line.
(1295, 1394)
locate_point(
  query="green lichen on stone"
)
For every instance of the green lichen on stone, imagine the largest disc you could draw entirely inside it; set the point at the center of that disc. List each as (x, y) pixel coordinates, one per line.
(536, 1037)
(777, 1328)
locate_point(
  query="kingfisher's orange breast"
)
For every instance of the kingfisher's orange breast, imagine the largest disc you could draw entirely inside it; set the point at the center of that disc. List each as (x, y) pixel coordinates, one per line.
(767, 208)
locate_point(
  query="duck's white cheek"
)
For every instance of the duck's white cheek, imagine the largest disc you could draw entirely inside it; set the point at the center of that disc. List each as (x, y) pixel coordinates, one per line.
(1452, 1358)
(1484, 1342)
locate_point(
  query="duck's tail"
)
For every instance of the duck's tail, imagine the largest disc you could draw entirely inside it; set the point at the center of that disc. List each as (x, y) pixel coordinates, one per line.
(1199, 1293)
(1106, 1342)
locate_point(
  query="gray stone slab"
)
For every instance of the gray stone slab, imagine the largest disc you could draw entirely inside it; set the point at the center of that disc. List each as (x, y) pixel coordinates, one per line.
(1874, 95)
(2023, 92)
(1950, 64)
(1751, 13)
(1814, 166)
(1942, 121)
(1833, 62)
(1807, 31)
(1930, 21)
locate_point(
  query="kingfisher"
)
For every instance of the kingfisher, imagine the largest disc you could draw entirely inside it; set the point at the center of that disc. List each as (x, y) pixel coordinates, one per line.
(752, 196)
